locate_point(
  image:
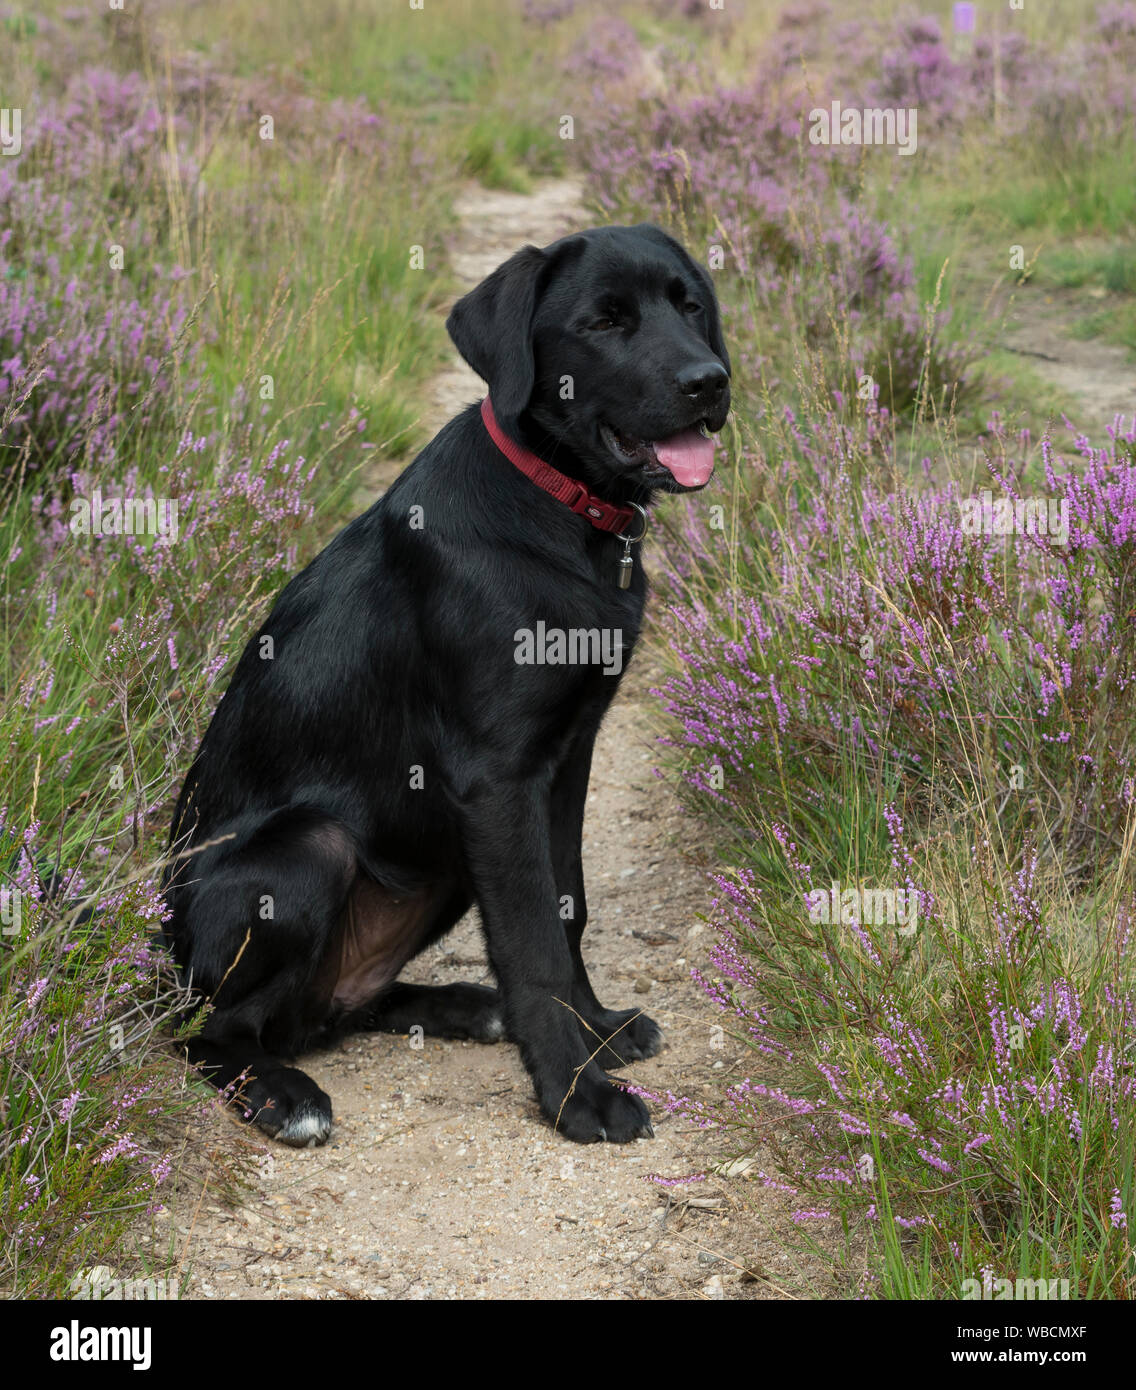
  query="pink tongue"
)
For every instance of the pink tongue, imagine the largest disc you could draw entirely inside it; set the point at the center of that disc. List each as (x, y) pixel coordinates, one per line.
(689, 456)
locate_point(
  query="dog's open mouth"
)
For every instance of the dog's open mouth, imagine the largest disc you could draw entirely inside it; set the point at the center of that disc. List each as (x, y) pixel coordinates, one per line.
(687, 457)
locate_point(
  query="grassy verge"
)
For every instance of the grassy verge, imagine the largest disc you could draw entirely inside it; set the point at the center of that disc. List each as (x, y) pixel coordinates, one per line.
(907, 725)
(223, 249)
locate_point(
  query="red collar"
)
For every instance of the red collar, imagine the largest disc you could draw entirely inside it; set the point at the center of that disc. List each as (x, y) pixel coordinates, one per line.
(604, 516)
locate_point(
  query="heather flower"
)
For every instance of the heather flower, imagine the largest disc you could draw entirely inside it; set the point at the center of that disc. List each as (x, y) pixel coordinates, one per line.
(68, 1104)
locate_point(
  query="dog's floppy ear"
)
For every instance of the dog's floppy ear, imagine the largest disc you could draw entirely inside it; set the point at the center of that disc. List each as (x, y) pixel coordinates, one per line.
(713, 320)
(492, 329)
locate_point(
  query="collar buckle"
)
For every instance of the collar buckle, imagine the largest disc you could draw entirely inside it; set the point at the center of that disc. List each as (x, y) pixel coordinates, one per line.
(584, 504)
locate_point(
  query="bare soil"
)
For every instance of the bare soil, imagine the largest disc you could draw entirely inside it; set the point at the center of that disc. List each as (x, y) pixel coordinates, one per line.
(1100, 376)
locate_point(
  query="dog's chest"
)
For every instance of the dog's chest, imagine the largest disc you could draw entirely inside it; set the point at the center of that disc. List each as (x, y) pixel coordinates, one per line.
(613, 609)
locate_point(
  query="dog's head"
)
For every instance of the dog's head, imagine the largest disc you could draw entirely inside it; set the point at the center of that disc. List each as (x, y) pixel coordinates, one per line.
(604, 353)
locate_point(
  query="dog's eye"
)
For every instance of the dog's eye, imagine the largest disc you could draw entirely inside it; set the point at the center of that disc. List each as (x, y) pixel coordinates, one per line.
(601, 325)
(692, 307)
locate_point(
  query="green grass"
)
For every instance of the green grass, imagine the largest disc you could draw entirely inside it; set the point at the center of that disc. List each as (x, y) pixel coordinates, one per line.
(1115, 324)
(1091, 263)
(502, 155)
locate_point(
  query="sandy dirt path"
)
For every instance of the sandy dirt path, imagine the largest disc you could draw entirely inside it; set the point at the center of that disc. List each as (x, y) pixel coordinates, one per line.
(1100, 376)
(440, 1179)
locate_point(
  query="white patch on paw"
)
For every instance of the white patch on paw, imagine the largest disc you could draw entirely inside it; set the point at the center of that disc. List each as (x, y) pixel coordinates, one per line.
(306, 1128)
(495, 1029)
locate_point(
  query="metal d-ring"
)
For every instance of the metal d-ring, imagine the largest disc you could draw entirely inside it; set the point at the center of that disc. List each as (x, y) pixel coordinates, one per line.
(634, 540)
(626, 563)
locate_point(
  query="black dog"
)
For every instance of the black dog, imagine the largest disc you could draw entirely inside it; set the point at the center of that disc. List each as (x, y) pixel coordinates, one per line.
(411, 729)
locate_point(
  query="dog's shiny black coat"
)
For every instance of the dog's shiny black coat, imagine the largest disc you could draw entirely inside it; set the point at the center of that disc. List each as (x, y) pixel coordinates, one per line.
(383, 761)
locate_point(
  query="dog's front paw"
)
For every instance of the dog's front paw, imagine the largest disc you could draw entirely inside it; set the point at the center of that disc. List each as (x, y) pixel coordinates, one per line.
(621, 1038)
(596, 1109)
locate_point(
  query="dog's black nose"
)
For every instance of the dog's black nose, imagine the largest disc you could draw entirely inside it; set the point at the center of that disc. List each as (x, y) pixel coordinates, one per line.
(702, 380)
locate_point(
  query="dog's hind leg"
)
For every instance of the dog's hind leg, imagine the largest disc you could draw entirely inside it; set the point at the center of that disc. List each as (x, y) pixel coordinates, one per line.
(282, 1101)
(465, 1011)
(256, 923)
(441, 1011)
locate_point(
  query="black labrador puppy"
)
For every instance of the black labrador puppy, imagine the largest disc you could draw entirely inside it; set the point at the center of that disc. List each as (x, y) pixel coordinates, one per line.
(411, 729)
